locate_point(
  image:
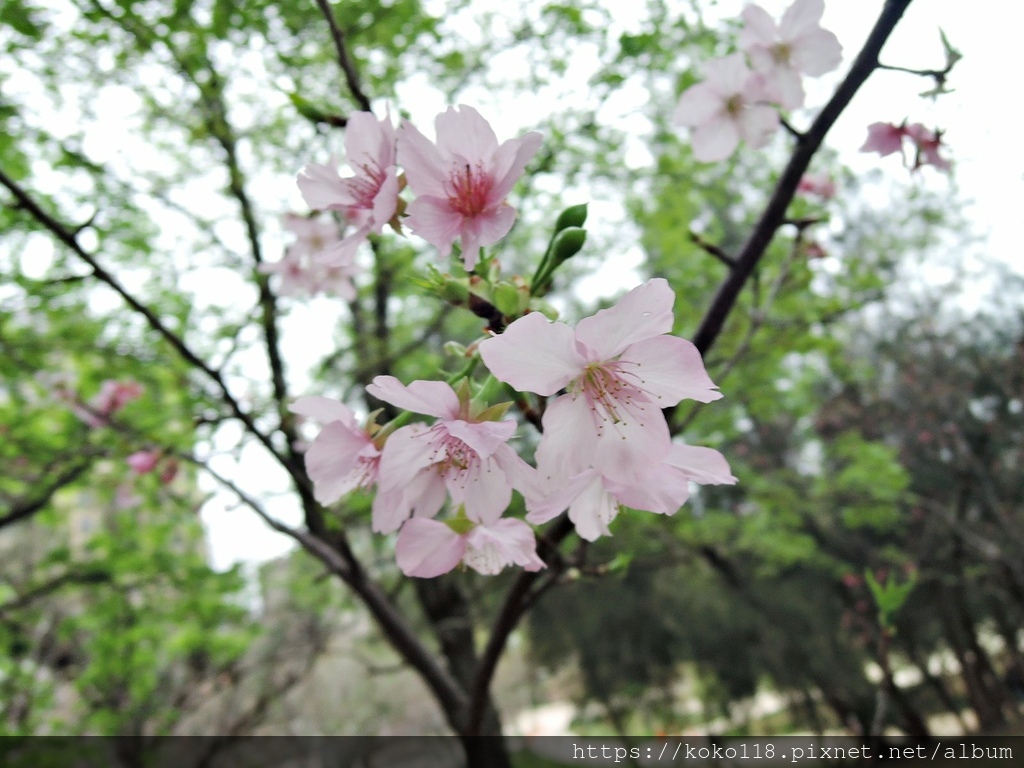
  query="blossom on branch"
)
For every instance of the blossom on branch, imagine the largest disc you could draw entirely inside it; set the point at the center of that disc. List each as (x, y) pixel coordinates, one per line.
(143, 462)
(928, 143)
(369, 198)
(620, 369)
(884, 138)
(112, 397)
(593, 499)
(464, 455)
(726, 107)
(428, 548)
(796, 46)
(319, 261)
(461, 182)
(344, 456)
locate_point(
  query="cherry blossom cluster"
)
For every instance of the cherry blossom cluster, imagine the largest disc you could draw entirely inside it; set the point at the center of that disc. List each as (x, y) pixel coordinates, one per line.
(460, 182)
(741, 93)
(605, 442)
(888, 138)
(112, 396)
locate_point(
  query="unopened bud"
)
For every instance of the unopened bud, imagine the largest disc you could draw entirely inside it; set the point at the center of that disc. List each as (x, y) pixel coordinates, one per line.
(454, 349)
(568, 244)
(573, 216)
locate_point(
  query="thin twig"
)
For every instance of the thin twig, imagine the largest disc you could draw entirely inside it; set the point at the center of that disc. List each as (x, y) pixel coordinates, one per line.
(774, 213)
(713, 249)
(344, 60)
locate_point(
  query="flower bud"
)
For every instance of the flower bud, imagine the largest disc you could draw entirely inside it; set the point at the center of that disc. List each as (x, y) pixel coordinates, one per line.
(573, 216)
(506, 298)
(568, 243)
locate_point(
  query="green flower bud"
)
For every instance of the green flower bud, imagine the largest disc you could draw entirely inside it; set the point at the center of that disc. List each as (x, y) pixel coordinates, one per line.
(573, 216)
(568, 244)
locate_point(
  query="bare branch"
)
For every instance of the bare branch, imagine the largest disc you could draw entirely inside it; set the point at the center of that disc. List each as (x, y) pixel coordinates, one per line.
(344, 60)
(774, 213)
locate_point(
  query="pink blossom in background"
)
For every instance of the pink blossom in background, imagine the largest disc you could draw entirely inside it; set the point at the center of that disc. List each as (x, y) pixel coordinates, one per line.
(620, 369)
(821, 186)
(368, 198)
(796, 46)
(143, 462)
(111, 398)
(319, 261)
(593, 499)
(343, 457)
(928, 144)
(169, 472)
(428, 548)
(461, 182)
(458, 456)
(884, 138)
(725, 108)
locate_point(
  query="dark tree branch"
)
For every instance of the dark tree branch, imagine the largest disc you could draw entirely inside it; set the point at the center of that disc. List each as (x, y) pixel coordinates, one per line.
(64, 235)
(775, 212)
(25, 508)
(394, 626)
(344, 60)
(713, 249)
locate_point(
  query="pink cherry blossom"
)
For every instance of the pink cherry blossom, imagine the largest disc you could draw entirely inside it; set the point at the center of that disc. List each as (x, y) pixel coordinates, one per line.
(368, 198)
(822, 186)
(169, 472)
(459, 456)
(620, 369)
(724, 108)
(319, 261)
(343, 457)
(143, 462)
(798, 45)
(461, 182)
(428, 548)
(884, 138)
(593, 499)
(111, 398)
(928, 144)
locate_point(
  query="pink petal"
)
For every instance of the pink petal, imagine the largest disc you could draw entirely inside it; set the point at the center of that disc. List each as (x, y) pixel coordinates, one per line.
(758, 124)
(406, 452)
(569, 442)
(593, 511)
(668, 369)
(490, 548)
(421, 497)
(758, 30)
(331, 459)
(323, 410)
(701, 465)
(698, 104)
(484, 437)
(663, 491)
(433, 398)
(627, 450)
(510, 162)
(322, 188)
(521, 476)
(715, 140)
(884, 138)
(644, 312)
(727, 74)
(465, 134)
(433, 219)
(427, 548)
(560, 493)
(424, 167)
(143, 462)
(486, 228)
(534, 355)
(385, 203)
(483, 489)
(801, 16)
(818, 51)
(369, 142)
